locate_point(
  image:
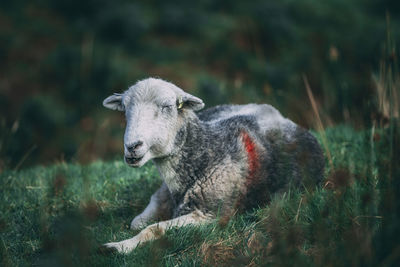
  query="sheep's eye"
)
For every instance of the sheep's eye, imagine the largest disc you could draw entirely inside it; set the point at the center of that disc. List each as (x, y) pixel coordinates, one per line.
(166, 108)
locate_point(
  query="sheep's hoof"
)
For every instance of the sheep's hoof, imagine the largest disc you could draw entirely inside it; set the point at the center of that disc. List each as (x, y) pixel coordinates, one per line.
(137, 225)
(106, 249)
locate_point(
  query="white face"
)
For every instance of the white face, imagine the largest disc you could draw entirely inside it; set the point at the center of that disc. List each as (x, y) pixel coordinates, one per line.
(151, 126)
(154, 114)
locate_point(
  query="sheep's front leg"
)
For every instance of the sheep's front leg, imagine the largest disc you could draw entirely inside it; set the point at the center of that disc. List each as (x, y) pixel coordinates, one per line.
(159, 208)
(156, 230)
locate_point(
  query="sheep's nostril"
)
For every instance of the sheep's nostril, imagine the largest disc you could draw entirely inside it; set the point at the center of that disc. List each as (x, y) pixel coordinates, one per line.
(132, 147)
(137, 144)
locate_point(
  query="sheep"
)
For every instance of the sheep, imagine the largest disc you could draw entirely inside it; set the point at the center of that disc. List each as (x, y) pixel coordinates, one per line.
(213, 163)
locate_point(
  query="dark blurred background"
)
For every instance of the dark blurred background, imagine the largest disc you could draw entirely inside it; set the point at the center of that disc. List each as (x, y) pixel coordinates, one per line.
(60, 59)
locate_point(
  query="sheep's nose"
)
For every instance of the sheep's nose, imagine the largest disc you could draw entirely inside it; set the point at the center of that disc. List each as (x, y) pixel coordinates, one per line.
(132, 147)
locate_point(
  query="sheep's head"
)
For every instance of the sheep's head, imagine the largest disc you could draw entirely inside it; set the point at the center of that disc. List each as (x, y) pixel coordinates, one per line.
(155, 110)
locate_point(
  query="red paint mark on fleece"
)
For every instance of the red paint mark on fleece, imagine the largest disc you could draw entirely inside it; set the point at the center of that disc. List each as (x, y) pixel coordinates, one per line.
(253, 163)
(253, 158)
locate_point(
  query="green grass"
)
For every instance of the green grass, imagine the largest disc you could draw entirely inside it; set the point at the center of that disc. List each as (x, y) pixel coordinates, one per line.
(59, 215)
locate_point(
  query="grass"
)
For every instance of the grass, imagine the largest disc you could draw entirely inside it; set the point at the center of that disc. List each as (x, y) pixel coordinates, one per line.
(58, 215)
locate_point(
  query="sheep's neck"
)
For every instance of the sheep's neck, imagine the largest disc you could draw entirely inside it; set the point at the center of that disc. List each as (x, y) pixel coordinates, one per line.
(181, 170)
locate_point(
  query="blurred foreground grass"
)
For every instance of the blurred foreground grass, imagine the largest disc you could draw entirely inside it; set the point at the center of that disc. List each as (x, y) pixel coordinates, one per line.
(58, 215)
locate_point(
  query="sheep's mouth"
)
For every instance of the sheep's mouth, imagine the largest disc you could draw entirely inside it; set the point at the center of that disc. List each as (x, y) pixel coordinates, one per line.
(133, 161)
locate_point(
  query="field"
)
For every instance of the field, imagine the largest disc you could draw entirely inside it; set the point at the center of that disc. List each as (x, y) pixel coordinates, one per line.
(331, 66)
(59, 215)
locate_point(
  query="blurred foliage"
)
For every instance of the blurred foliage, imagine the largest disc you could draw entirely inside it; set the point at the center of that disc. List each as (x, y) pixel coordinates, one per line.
(60, 59)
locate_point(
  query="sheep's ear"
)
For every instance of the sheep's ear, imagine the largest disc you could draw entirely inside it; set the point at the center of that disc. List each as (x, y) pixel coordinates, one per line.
(114, 102)
(189, 101)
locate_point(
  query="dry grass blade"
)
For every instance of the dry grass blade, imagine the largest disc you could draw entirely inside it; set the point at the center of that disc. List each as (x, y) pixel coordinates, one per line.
(319, 125)
(298, 210)
(27, 154)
